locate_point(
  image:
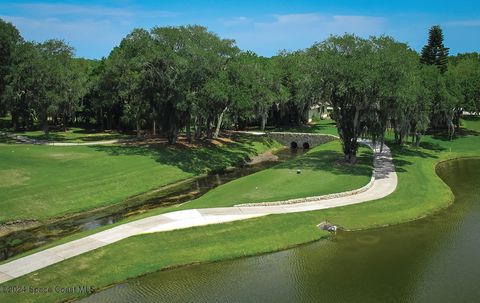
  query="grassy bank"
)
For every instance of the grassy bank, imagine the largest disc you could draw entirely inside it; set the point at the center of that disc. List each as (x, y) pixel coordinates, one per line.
(75, 134)
(322, 173)
(326, 126)
(40, 182)
(419, 193)
(72, 134)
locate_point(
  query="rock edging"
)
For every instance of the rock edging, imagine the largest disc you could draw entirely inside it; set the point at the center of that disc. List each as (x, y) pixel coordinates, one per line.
(376, 163)
(314, 198)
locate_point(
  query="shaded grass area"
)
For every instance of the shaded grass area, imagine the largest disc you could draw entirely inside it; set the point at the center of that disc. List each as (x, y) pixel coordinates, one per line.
(75, 134)
(5, 123)
(420, 192)
(321, 173)
(40, 182)
(205, 158)
(471, 123)
(327, 126)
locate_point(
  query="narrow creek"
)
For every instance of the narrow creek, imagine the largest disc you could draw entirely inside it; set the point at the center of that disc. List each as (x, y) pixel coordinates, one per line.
(435, 259)
(25, 240)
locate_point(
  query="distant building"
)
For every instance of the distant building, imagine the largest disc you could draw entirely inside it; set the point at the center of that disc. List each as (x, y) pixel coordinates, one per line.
(319, 112)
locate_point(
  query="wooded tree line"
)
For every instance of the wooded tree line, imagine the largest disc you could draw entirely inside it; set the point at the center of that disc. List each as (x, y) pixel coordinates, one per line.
(187, 80)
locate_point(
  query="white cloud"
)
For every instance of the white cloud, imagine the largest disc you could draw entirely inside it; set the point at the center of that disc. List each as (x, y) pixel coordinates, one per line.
(464, 23)
(293, 31)
(70, 9)
(237, 21)
(93, 30)
(85, 35)
(296, 19)
(337, 23)
(86, 11)
(356, 24)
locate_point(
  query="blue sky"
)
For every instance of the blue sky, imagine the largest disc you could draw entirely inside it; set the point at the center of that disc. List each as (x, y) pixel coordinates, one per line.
(95, 27)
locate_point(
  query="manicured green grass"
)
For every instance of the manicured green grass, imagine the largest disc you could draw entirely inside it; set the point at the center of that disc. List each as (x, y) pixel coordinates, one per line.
(471, 123)
(40, 182)
(321, 173)
(74, 134)
(419, 193)
(149, 252)
(326, 126)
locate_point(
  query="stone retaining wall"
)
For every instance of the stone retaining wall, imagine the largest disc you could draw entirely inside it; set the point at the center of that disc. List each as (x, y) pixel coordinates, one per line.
(301, 139)
(314, 198)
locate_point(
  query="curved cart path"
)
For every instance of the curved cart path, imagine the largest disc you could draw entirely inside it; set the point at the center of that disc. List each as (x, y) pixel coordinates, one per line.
(384, 183)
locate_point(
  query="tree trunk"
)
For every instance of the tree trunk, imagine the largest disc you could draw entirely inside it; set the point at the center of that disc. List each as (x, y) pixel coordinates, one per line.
(102, 126)
(172, 129)
(154, 130)
(65, 121)
(109, 121)
(219, 123)
(45, 123)
(451, 130)
(137, 123)
(417, 139)
(208, 129)
(351, 158)
(173, 136)
(263, 122)
(14, 121)
(188, 129)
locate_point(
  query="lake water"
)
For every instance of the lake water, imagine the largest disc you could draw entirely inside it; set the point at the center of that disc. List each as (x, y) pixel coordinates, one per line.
(436, 259)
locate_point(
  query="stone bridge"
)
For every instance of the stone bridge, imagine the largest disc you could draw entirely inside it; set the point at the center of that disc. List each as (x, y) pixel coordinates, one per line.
(300, 140)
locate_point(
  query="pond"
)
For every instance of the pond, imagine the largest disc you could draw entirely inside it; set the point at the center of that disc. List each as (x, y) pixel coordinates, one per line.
(24, 240)
(436, 259)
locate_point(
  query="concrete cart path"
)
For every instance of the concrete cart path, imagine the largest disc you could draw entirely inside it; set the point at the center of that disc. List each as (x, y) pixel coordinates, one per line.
(384, 183)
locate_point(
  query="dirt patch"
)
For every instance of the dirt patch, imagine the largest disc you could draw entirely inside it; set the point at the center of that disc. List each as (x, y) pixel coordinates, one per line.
(13, 177)
(66, 156)
(17, 225)
(265, 157)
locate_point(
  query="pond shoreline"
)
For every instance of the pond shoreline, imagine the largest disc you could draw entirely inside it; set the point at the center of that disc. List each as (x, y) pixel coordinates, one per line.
(320, 238)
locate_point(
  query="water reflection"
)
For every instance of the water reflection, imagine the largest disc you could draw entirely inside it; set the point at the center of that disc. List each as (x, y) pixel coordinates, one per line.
(430, 260)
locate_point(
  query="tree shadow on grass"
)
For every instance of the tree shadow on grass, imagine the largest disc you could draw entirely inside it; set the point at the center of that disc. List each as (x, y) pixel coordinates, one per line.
(408, 151)
(399, 152)
(443, 135)
(463, 132)
(42, 137)
(98, 135)
(471, 118)
(5, 124)
(432, 146)
(202, 158)
(331, 161)
(313, 128)
(81, 135)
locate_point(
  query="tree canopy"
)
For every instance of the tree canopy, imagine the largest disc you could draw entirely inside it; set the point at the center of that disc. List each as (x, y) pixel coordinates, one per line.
(186, 80)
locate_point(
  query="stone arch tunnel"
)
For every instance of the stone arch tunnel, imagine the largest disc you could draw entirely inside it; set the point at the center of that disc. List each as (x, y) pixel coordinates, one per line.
(300, 140)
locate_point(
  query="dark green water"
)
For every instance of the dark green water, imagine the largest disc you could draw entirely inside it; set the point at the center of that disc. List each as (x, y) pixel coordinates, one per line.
(436, 259)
